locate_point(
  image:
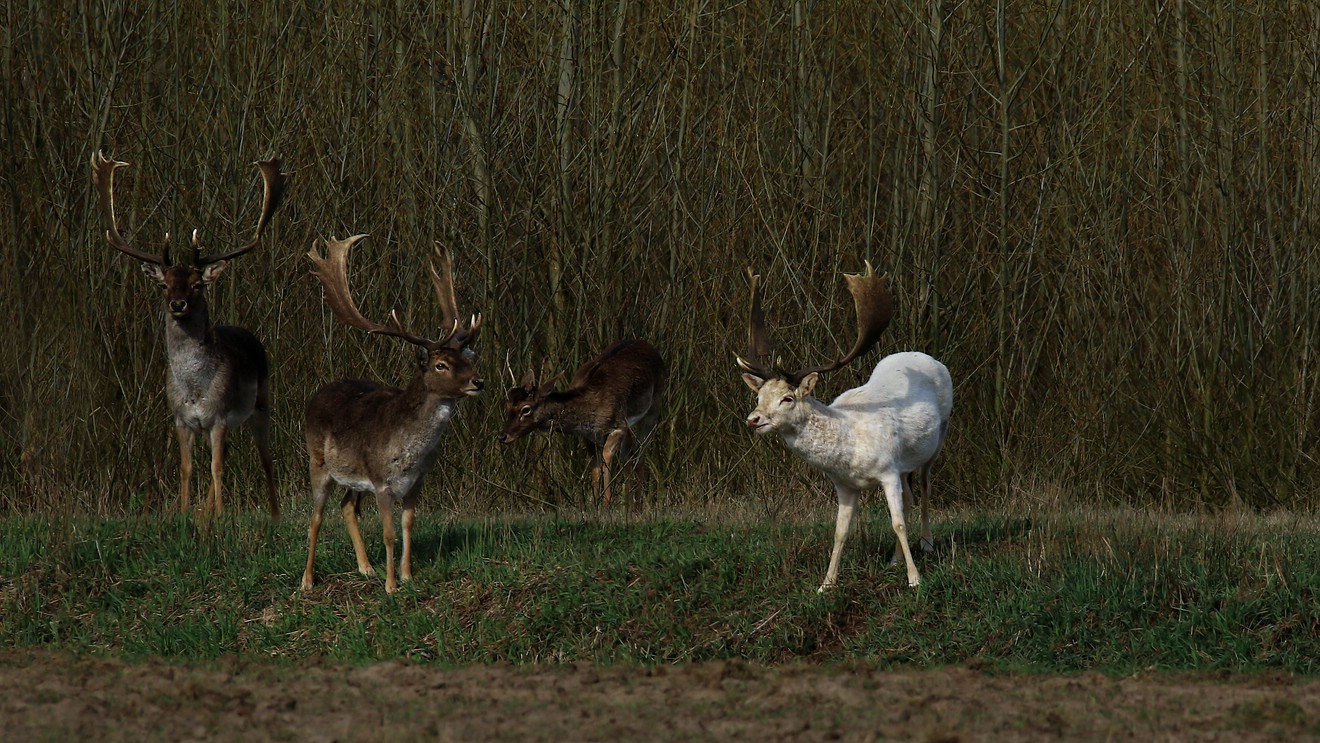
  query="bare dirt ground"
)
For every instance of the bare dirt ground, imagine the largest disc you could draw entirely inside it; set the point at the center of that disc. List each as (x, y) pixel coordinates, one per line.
(56, 696)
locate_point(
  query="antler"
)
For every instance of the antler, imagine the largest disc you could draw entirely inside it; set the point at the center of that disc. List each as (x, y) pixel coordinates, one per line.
(103, 178)
(332, 271)
(273, 183)
(872, 301)
(759, 345)
(443, 280)
(874, 305)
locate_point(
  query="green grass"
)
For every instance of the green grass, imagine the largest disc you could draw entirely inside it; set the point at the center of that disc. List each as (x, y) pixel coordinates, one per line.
(1115, 592)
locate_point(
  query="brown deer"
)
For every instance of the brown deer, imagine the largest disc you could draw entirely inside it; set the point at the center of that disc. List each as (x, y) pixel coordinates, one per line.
(218, 374)
(611, 402)
(369, 436)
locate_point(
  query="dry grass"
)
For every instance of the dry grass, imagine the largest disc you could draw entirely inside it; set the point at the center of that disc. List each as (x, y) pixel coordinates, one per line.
(1102, 219)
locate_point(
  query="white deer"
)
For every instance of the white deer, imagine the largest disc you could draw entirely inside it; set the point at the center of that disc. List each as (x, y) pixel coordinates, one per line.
(880, 434)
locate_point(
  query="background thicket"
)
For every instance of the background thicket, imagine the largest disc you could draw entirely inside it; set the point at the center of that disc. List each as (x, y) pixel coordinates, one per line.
(1101, 216)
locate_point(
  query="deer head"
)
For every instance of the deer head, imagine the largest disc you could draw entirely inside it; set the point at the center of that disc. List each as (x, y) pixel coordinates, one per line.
(522, 405)
(444, 363)
(780, 393)
(183, 283)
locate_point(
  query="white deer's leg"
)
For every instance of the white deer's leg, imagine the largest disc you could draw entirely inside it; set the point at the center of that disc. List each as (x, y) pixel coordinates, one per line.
(842, 522)
(927, 539)
(893, 485)
(909, 487)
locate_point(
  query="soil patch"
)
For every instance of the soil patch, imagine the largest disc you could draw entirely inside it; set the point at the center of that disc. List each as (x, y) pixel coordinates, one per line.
(48, 695)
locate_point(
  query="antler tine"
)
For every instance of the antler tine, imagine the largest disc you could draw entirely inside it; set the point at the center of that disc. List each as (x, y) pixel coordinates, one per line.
(103, 178)
(273, 183)
(332, 270)
(874, 305)
(442, 278)
(759, 345)
(508, 366)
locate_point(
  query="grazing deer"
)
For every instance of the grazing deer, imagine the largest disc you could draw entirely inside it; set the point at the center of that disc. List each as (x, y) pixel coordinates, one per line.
(611, 401)
(879, 434)
(369, 436)
(218, 375)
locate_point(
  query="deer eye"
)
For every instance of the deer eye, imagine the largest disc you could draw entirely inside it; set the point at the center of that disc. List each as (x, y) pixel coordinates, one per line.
(787, 400)
(441, 366)
(526, 411)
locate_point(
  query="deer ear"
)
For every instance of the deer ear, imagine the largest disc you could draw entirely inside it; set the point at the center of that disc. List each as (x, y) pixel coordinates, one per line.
(154, 272)
(753, 381)
(212, 271)
(808, 384)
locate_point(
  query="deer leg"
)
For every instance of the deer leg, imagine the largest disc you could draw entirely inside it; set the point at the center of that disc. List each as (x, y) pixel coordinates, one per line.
(351, 506)
(927, 540)
(405, 561)
(260, 425)
(385, 505)
(321, 487)
(595, 469)
(186, 436)
(613, 443)
(842, 523)
(218, 432)
(638, 437)
(893, 485)
(908, 488)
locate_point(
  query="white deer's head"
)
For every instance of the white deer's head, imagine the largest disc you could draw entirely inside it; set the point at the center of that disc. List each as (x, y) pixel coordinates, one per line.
(781, 396)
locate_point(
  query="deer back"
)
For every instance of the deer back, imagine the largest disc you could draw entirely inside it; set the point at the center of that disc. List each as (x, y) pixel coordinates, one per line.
(369, 431)
(613, 390)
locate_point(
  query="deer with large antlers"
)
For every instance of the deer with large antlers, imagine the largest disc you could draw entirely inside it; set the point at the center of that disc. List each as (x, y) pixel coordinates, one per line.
(371, 437)
(218, 374)
(612, 403)
(880, 434)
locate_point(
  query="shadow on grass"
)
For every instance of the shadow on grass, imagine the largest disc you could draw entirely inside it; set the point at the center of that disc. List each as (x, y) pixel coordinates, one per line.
(879, 543)
(446, 542)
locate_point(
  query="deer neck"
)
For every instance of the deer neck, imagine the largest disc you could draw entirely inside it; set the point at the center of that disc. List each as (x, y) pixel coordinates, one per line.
(566, 412)
(191, 329)
(191, 346)
(822, 438)
(428, 413)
